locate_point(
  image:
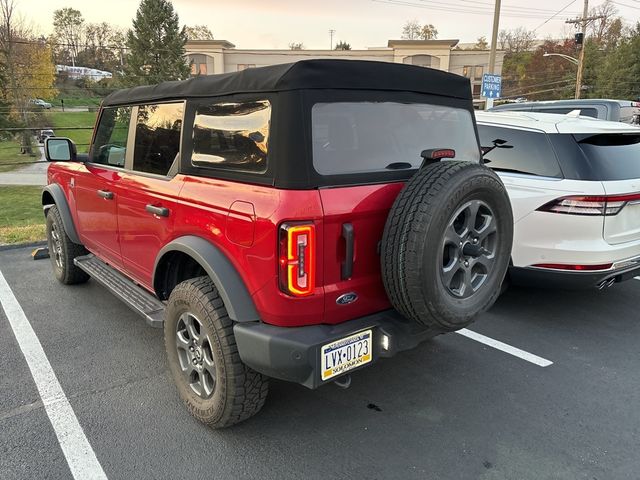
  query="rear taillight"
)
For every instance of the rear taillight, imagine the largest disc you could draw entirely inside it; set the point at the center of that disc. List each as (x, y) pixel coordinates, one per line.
(604, 205)
(574, 268)
(297, 259)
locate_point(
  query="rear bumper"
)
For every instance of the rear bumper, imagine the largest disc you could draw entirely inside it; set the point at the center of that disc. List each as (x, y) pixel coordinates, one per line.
(293, 353)
(547, 278)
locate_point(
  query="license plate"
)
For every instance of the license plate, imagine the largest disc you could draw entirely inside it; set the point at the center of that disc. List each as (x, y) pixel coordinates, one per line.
(346, 354)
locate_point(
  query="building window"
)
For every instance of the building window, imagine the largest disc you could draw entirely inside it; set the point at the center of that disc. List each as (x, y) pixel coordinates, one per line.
(473, 72)
(244, 66)
(476, 89)
(198, 64)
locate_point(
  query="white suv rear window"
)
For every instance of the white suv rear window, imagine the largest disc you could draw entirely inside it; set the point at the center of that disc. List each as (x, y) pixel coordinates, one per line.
(364, 137)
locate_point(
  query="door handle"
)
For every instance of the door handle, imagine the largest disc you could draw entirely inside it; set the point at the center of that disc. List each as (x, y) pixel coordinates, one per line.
(159, 211)
(347, 265)
(106, 194)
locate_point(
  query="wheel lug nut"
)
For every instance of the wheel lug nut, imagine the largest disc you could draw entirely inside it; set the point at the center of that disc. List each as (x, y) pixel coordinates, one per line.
(466, 264)
(191, 349)
(475, 240)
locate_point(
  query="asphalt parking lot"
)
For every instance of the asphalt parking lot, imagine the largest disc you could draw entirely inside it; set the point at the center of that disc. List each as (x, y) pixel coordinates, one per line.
(453, 408)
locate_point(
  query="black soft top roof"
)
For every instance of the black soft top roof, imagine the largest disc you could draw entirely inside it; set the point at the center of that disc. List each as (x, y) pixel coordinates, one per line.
(305, 74)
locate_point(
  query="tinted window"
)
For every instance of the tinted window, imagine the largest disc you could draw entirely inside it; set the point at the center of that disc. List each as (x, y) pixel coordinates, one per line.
(518, 151)
(232, 136)
(613, 157)
(157, 137)
(585, 112)
(110, 145)
(361, 137)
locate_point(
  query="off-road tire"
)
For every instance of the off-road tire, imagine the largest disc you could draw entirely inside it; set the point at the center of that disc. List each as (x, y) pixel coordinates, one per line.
(240, 392)
(62, 251)
(412, 245)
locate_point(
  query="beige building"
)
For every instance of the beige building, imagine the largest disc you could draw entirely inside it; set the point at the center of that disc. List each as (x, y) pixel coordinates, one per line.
(208, 57)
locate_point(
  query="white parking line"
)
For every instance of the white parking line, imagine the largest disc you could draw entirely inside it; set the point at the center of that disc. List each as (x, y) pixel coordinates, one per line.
(80, 456)
(516, 352)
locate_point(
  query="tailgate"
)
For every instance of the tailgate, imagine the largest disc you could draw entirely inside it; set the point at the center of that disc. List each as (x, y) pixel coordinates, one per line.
(625, 226)
(360, 213)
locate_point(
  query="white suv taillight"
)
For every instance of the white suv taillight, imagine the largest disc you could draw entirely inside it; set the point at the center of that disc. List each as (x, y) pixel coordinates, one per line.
(603, 205)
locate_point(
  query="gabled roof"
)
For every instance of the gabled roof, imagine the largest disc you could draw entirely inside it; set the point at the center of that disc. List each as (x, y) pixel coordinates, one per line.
(305, 74)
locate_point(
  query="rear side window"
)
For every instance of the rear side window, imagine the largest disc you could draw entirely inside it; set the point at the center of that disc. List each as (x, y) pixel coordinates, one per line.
(518, 151)
(612, 156)
(364, 137)
(232, 136)
(110, 145)
(157, 142)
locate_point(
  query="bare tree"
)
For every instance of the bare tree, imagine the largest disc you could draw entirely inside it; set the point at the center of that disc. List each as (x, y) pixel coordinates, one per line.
(296, 46)
(606, 30)
(517, 40)
(198, 32)
(25, 64)
(413, 30)
(68, 25)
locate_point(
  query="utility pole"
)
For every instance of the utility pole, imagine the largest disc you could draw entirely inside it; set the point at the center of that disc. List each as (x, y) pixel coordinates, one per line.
(494, 46)
(331, 32)
(584, 21)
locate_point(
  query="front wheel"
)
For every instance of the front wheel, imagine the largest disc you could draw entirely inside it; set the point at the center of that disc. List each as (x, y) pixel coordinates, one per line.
(63, 251)
(217, 388)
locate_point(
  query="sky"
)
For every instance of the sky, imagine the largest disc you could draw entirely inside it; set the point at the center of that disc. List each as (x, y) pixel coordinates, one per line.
(361, 23)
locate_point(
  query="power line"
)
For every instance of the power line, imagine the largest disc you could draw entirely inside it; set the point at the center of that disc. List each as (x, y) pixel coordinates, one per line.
(459, 9)
(555, 15)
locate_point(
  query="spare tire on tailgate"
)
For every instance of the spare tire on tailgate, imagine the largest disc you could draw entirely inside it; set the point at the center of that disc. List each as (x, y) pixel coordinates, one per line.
(447, 244)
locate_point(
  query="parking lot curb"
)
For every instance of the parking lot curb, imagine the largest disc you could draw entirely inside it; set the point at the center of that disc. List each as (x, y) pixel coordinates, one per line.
(23, 245)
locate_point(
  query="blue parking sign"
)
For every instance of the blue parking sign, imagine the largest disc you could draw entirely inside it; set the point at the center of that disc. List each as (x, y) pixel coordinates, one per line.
(491, 86)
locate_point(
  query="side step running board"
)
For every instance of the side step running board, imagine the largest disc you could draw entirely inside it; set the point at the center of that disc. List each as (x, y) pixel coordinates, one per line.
(126, 290)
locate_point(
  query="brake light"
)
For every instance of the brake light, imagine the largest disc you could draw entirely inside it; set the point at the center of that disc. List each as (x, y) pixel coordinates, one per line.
(297, 259)
(604, 205)
(575, 268)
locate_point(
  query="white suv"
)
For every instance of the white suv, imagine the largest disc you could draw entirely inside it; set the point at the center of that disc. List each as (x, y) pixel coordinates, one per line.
(574, 185)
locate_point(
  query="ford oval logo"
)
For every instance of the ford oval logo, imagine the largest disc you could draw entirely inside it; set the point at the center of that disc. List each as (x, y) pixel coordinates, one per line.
(347, 298)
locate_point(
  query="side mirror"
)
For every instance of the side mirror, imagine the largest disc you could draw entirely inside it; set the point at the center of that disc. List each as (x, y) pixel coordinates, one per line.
(59, 149)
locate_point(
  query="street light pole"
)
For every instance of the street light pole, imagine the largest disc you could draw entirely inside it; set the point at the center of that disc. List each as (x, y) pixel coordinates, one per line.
(331, 32)
(494, 46)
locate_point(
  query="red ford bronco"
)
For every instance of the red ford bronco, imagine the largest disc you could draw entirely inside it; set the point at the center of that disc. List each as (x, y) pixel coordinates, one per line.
(296, 221)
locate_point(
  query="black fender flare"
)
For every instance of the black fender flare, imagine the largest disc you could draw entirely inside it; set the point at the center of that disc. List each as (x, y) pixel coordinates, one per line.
(224, 275)
(60, 201)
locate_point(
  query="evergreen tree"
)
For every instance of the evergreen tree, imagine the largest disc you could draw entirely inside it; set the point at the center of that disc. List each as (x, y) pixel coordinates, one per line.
(156, 45)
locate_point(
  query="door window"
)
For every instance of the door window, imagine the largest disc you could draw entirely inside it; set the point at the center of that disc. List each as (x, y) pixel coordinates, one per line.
(518, 151)
(110, 145)
(157, 141)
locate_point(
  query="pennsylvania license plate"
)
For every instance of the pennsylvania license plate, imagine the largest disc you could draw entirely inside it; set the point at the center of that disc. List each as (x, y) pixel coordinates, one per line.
(346, 354)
